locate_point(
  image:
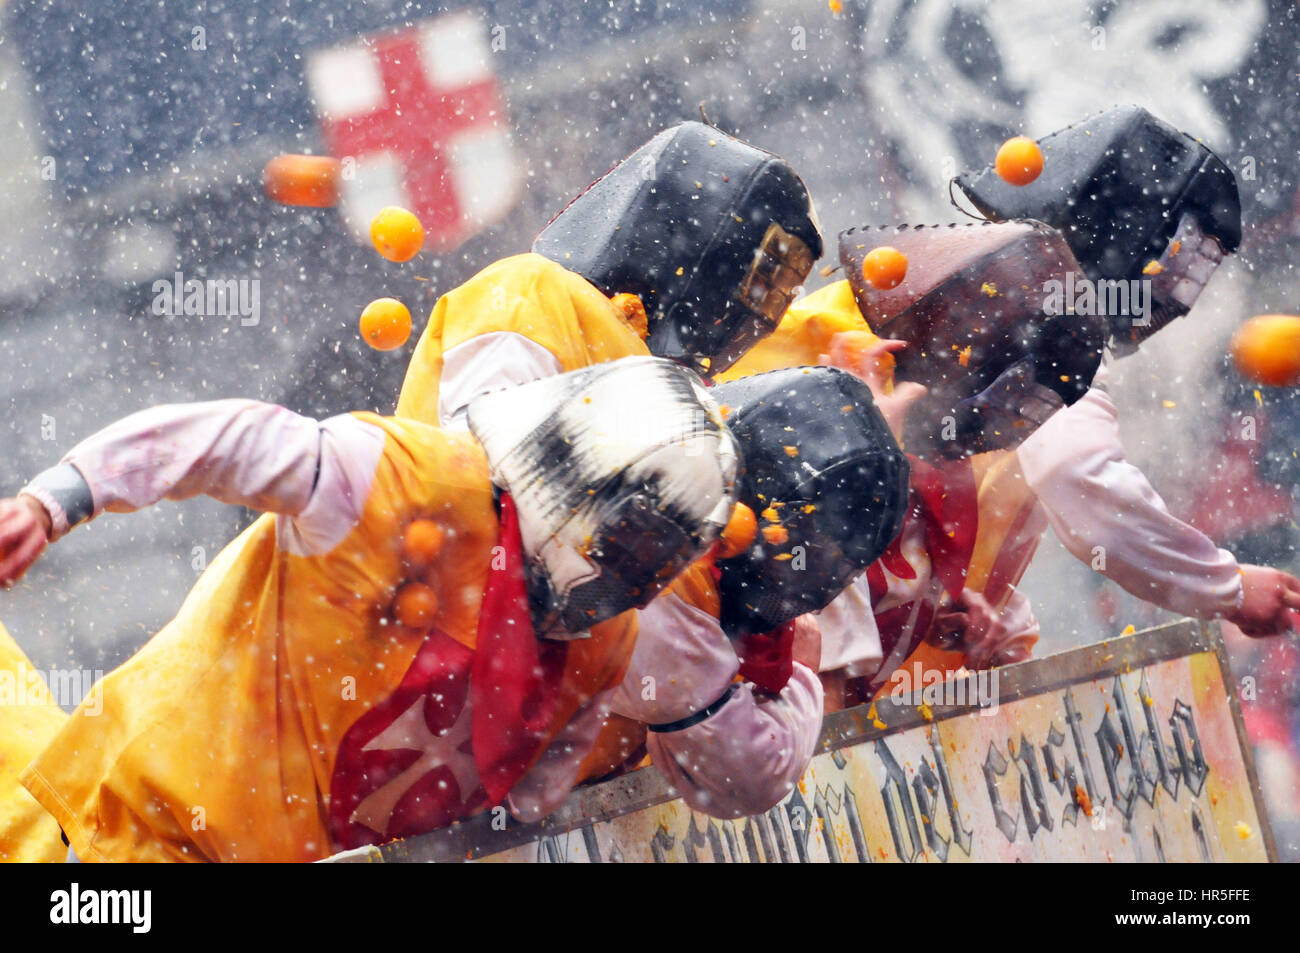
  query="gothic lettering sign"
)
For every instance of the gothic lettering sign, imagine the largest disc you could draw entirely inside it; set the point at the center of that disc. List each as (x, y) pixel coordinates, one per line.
(1127, 750)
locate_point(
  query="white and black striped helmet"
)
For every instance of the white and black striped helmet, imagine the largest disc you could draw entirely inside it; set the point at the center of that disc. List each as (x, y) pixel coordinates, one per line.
(622, 473)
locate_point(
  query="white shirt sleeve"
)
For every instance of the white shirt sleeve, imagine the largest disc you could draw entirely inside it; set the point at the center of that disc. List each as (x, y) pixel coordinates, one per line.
(237, 451)
(1107, 514)
(485, 363)
(748, 754)
(850, 637)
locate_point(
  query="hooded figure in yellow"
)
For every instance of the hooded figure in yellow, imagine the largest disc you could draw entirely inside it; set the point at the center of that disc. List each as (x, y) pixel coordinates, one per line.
(691, 248)
(338, 677)
(29, 719)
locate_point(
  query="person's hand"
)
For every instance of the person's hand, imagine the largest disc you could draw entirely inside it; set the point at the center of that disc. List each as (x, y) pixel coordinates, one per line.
(834, 690)
(869, 364)
(807, 648)
(972, 625)
(1268, 595)
(24, 531)
(1017, 649)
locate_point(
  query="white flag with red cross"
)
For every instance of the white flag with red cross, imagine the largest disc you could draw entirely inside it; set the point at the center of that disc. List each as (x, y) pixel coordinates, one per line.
(418, 119)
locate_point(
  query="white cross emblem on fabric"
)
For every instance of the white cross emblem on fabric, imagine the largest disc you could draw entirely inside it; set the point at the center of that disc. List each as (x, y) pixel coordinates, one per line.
(410, 732)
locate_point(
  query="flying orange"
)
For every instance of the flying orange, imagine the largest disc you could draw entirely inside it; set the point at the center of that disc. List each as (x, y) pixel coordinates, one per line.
(1019, 161)
(312, 181)
(738, 535)
(884, 267)
(396, 233)
(385, 324)
(1266, 350)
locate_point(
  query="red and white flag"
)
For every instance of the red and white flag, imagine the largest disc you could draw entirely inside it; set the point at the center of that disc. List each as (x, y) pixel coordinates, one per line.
(418, 119)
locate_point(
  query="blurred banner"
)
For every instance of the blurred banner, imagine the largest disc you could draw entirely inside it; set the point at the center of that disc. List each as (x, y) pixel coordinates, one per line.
(951, 79)
(417, 118)
(125, 89)
(1131, 750)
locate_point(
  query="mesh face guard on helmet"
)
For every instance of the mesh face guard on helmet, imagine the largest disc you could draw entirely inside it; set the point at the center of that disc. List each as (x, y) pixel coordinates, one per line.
(713, 234)
(781, 263)
(820, 459)
(1126, 190)
(975, 310)
(622, 473)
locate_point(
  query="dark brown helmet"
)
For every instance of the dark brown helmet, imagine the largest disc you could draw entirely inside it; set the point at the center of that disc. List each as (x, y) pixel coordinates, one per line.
(976, 310)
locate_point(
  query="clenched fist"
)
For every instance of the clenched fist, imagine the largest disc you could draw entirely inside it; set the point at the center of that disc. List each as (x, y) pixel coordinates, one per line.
(1267, 596)
(974, 626)
(24, 531)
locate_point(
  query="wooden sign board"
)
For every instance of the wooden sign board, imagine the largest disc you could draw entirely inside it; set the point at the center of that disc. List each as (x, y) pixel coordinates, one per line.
(1127, 750)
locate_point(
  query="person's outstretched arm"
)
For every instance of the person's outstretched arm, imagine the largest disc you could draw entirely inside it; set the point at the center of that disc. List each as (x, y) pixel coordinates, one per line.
(237, 451)
(1107, 514)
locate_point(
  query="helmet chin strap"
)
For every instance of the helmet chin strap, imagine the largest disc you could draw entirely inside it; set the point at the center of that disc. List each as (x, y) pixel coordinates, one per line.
(952, 198)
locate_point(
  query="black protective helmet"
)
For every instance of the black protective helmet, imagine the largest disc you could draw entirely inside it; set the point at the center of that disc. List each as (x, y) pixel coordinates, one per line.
(827, 481)
(714, 235)
(1136, 199)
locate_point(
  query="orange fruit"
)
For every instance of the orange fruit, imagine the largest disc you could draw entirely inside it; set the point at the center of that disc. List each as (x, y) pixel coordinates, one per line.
(1266, 350)
(884, 267)
(396, 233)
(422, 543)
(632, 310)
(385, 324)
(1019, 160)
(302, 180)
(776, 534)
(738, 535)
(416, 605)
